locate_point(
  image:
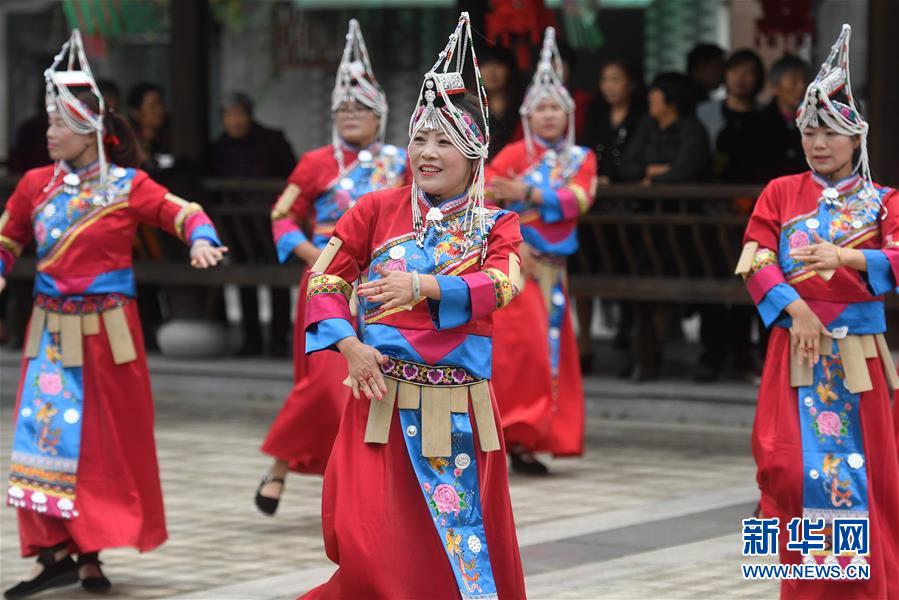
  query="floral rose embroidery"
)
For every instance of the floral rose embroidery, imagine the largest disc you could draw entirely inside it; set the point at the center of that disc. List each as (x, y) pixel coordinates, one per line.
(50, 383)
(798, 240)
(435, 375)
(40, 232)
(446, 499)
(829, 423)
(398, 264)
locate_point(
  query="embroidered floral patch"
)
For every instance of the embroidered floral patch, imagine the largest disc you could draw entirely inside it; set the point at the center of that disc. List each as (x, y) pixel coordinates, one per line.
(328, 284)
(502, 287)
(763, 258)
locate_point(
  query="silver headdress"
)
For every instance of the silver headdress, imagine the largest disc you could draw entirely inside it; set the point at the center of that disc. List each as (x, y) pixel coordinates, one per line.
(829, 102)
(76, 114)
(356, 81)
(435, 111)
(547, 84)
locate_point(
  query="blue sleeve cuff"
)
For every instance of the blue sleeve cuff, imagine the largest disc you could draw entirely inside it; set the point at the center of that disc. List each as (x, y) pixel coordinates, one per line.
(2, 268)
(454, 307)
(551, 209)
(324, 335)
(879, 275)
(205, 232)
(287, 243)
(775, 301)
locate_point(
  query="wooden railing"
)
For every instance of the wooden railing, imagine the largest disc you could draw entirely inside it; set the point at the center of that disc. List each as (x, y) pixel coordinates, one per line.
(671, 243)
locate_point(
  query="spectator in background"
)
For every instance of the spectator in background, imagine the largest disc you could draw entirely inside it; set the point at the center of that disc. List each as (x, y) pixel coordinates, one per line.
(501, 80)
(670, 146)
(705, 66)
(29, 148)
(733, 124)
(147, 116)
(612, 119)
(247, 149)
(736, 133)
(146, 109)
(783, 146)
(112, 95)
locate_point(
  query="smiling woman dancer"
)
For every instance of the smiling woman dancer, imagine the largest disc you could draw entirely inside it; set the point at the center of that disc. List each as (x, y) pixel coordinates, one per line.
(416, 498)
(822, 247)
(84, 475)
(324, 185)
(550, 182)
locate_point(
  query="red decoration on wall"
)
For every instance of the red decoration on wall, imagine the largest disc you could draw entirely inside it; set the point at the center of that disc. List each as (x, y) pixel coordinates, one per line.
(790, 19)
(518, 25)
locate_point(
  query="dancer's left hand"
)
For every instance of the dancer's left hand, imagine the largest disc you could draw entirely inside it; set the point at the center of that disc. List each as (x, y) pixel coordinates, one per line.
(204, 255)
(391, 291)
(820, 256)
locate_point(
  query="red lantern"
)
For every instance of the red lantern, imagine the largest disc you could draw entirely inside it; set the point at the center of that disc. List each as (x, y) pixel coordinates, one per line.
(790, 19)
(518, 25)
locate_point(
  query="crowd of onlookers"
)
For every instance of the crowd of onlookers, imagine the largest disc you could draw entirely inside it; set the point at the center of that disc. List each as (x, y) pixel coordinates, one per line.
(704, 125)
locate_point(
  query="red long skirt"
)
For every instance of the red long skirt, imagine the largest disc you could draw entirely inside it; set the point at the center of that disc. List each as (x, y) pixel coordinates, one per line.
(118, 493)
(777, 448)
(305, 428)
(532, 417)
(379, 531)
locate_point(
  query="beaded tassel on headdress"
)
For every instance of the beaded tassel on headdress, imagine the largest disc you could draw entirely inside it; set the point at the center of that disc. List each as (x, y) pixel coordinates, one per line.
(547, 84)
(435, 111)
(356, 81)
(77, 116)
(829, 102)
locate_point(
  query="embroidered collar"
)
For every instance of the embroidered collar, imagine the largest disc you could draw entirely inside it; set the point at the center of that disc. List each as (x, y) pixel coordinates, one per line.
(547, 145)
(446, 205)
(842, 186)
(374, 147)
(84, 173)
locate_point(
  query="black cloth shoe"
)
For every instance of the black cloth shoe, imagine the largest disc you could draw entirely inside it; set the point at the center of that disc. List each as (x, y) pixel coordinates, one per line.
(526, 464)
(265, 504)
(97, 584)
(56, 573)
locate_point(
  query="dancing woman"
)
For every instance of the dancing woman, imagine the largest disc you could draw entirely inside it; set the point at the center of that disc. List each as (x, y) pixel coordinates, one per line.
(416, 498)
(324, 185)
(84, 475)
(550, 182)
(822, 248)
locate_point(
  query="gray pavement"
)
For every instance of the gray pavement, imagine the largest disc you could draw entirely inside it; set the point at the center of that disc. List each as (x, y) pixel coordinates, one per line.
(652, 511)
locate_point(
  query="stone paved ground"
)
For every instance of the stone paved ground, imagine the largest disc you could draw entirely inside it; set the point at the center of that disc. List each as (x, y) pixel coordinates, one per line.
(652, 510)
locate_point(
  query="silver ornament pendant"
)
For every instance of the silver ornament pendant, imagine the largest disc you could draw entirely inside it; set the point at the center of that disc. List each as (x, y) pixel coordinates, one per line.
(831, 196)
(434, 214)
(71, 183)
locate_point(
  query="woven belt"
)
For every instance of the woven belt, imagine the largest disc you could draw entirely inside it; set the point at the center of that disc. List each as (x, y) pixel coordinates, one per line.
(73, 319)
(438, 391)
